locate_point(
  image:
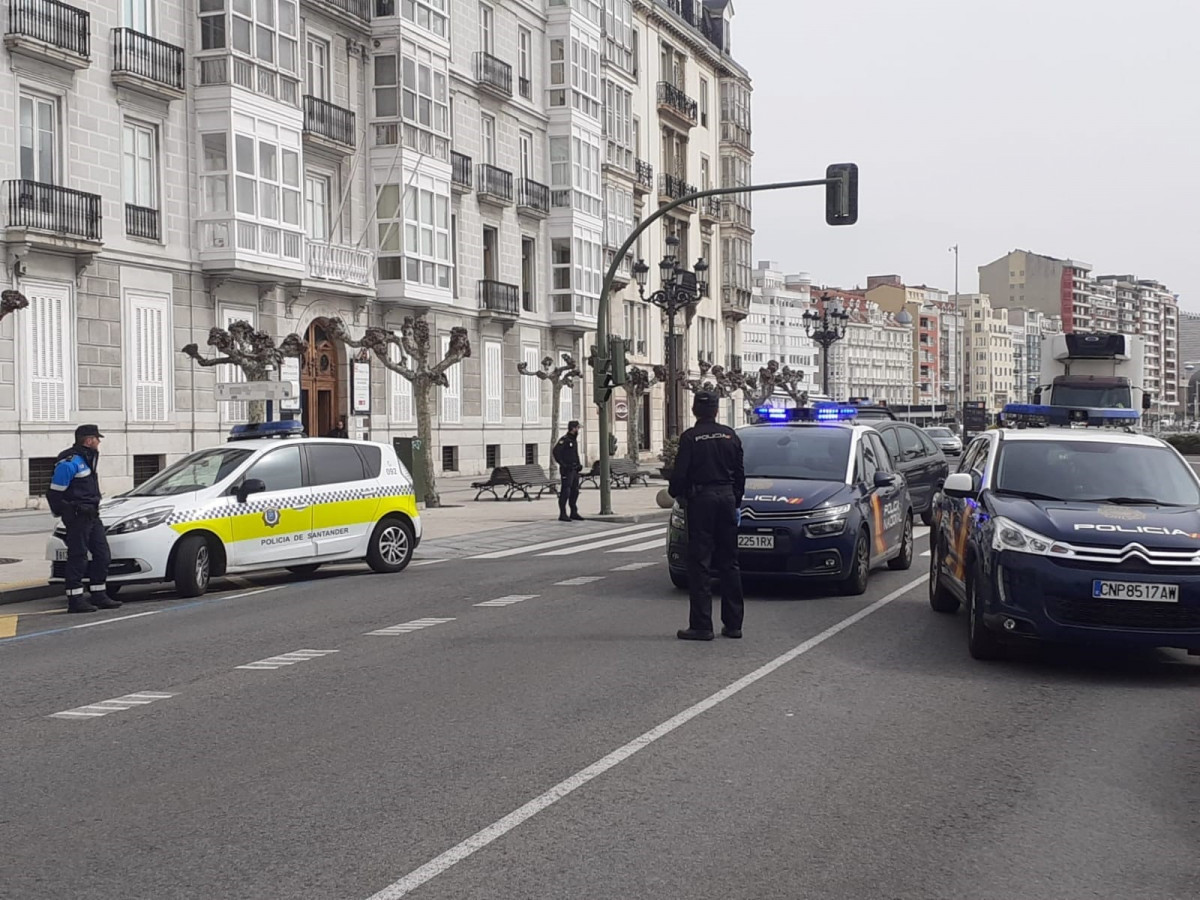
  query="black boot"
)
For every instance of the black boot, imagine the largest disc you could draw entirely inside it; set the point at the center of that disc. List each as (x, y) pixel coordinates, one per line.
(576, 517)
(562, 516)
(77, 603)
(101, 600)
(691, 634)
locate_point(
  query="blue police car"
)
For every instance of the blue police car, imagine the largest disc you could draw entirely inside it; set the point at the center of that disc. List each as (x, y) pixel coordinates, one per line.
(1065, 526)
(822, 501)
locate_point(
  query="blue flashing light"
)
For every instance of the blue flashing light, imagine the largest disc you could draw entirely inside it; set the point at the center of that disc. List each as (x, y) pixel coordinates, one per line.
(286, 428)
(1068, 416)
(821, 412)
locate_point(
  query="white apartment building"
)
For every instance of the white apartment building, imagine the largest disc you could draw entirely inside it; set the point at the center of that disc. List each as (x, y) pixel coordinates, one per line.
(178, 167)
(874, 359)
(989, 352)
(775, 327)
(1027, 330)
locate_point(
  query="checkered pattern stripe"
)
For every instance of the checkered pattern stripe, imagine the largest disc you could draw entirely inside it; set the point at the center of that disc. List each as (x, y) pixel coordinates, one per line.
(251, 506)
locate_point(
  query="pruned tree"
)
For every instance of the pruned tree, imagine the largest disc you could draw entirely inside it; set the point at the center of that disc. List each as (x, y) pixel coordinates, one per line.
(637, 382)
(758, 388)
(251, 350)
(560, 376)
(11, 301)
(415, 366)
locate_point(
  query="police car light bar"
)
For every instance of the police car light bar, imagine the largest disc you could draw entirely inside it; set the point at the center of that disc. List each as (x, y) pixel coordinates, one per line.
(286, 428)
(1068, 416)
(821, 412)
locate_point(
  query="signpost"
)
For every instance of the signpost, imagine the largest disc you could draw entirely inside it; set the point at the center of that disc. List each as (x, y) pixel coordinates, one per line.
(622, 410)
(242, 391)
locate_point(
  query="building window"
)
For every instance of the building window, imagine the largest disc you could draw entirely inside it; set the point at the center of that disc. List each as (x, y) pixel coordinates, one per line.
(425, 246)
(487, 137)
(449, 459)
(268, 180)
(139, 154)
(492, 455)
(531, 455)
(531, 386)
(414, 87)
(138, 15)
(703, 104)
(618, 33)
(316, 207)
(234, 412)
(39, 139)
(525, 63)
(575, 172)
(265, 30)
(318, 67)
(584, 61)
(387, 97)
(618, 125)
(427, 14)
(487, 27)
(493, 380)
(149, 360)
(50, 351)
(401, 407)
(146, 466)
(452, 393)
(215, 172)
(566, 404)
(618, 215)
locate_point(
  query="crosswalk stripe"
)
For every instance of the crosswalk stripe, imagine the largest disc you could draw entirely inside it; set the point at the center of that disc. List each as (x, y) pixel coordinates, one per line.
(926, 553)
(409, 627)
(561, 542)
(582, 579)
(633, 567)
(921, 530)
(597, 545)
(286, 659)
(116, 704)
(508, 601)
(638, 548)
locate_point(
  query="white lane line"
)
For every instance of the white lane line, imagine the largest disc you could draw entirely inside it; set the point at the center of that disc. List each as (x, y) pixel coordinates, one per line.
(921, 530)
(425, 562)
(152, 612)
(409, 627)
(501, 827)
(633, 567)
(926, 553)
(546, 545)
(596, 545)
(582, 579)
(117, 704)
(507, 601)
(639, 548)
(286, 659)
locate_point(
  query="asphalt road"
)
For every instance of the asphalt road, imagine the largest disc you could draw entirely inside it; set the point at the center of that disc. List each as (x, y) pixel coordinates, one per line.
(567, 746)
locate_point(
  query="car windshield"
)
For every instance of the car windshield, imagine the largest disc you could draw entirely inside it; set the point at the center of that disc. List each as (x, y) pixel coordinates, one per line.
(193, 473)
(815, 453)
(1095, 471)
(939, 432)
(1114, 397)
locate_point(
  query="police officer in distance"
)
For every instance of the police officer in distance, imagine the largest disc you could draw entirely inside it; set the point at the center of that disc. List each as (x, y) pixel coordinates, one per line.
(566, 454)
(709, 480)
(74, 496)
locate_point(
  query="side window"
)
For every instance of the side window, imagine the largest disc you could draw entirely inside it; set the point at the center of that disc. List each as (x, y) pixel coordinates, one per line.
(973, 451)
(372, 458)
(891, 442)
(333, 464)
(279, 470)
(910, 444)
(868, 464)
(980, 463)
(881, 455)
(931, 449)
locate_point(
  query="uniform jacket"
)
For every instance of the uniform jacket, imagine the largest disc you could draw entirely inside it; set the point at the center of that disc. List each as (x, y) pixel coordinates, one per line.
(74, 482)
(709, 453)
(566, 452)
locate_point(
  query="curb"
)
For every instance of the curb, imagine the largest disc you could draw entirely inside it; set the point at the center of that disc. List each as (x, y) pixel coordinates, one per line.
(655, 515)
(29, 592)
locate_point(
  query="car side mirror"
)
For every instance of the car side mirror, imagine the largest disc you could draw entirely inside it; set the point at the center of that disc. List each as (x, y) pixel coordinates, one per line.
(884, 479)
(248, 487)
(960, 485)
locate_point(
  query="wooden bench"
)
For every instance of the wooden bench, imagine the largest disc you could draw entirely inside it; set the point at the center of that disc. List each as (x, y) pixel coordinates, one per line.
(623, 472)
(516, 480)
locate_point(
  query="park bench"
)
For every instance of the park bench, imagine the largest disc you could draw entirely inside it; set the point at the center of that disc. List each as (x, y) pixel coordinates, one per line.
(624, 472)
(515, 480)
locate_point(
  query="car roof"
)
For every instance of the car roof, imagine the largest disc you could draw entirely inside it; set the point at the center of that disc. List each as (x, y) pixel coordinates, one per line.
(261, 443)
(844, 426)
(1092, 435)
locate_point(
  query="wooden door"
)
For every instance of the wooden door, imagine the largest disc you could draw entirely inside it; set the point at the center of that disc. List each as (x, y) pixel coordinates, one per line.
(320, 380)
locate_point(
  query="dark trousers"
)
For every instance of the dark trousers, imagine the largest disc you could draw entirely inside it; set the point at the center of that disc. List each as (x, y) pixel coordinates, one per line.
(712, 549)
(85, 533)
(568, 489)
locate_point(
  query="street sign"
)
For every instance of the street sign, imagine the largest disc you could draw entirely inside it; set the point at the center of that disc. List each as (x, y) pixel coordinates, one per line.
(361, 386)
(975, 416)
(241, 391)
(622, 410)
(289, 371)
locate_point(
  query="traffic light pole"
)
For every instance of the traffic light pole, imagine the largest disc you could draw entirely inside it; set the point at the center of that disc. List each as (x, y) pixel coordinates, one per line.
(602, 314)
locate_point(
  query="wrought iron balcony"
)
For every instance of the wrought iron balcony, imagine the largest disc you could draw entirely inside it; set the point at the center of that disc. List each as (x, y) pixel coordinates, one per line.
(355, 12)
(710, 209)
(147, 64)
(57, 210)
(142, 222)
(460, 172)
(495, 185)
(339, 263)
(674, 101)
(50, 31)
(645, 176)
(500, 298)
(533, 197)
(492, 74)
(673, 188)
(328, 124)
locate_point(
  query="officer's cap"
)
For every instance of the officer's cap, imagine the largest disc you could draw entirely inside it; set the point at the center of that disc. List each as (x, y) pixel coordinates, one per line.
(87, 431)
(705, 404)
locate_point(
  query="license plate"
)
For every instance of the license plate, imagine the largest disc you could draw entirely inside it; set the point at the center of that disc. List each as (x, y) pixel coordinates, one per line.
(756, 542)
(60, 555)
(1135, 590)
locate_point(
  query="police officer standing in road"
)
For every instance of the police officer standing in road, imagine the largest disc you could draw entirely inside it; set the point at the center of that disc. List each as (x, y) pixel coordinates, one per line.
(709, 479)
(74, 496)
(566, 454)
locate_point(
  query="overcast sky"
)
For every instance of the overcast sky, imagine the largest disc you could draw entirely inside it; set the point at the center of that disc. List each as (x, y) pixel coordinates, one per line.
(1065, 127)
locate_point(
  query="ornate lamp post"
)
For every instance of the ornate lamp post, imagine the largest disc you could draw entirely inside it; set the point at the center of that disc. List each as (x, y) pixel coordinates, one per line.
(826, 328)
(680, 290)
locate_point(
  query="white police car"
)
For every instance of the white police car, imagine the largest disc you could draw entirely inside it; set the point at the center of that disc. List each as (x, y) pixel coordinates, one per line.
(258, 502)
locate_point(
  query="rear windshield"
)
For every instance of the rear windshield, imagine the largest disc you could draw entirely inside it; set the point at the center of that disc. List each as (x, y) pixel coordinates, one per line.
(815, 453)
(939, 432)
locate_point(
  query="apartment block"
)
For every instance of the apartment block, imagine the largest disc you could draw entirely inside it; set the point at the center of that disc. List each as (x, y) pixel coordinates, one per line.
(924, 307)
(774, 330)
(874, 357)
(988, 349)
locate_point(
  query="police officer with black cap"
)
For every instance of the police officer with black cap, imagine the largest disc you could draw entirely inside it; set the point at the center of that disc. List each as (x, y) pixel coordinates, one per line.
(709, 479)
(570, 469)
(74, 496)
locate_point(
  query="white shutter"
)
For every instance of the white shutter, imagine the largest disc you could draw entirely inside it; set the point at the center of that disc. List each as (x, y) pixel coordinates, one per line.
(533, 386)
(452, 395)
(566, 406)
(149, 331)
(493, 412)
(50, 354)
(234, 412)
(402, 395)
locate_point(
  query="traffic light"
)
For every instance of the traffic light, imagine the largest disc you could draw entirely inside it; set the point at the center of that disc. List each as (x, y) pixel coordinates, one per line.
(616, 351)
(602, 383)
(841, 194)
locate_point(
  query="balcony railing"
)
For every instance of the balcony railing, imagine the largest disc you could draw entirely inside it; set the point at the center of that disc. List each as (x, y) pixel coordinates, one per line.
(51, 22)
(670, 186)
(710, 208)
(645, 174)
(494, 183)
(498, 297)
(355, 9)
(48, 207)
(676, 101)
(336, 262)
(493, 74)
(142, 222)
(533, 196)
(525, 86)
(460, 171)
(261, 80)
(149, 58)
(328, 121)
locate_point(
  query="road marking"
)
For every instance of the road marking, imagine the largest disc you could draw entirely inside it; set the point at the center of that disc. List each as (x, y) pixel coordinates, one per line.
(104, 707)
(582, 579)
(426, 562)
(508, 601)
(638, 548)
(921, 530)
(546, 545)
(926, 553)
(153, 612)
(596, 545)
(8, 626)
(633, 567)
(407, 627)
(501, 827)
(287, 659)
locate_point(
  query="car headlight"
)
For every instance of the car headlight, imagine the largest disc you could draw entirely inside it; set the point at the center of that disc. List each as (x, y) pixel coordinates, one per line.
(1008, 535)
(831, 512)
(677, 518)
(142, 520)
(825, 529)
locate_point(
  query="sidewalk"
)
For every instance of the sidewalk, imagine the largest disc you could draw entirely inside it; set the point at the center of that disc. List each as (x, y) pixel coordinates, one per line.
(23, 533)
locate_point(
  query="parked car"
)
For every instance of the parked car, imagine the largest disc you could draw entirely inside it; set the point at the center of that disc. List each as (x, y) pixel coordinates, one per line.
(948, 442)
(917, 457)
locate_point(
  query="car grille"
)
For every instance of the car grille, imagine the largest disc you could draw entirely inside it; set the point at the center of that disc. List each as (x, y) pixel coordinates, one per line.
(1110, 613)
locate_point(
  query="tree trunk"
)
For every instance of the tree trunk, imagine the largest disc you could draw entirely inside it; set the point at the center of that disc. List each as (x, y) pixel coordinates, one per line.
(421, 392)
(555, 410)
(634, 425)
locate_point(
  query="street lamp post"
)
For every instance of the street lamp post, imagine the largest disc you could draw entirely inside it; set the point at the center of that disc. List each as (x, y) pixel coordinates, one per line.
(826, 329)
(680, 290)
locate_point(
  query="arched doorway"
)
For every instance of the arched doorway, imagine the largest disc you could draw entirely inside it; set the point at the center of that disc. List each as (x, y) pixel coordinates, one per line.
(320, 381)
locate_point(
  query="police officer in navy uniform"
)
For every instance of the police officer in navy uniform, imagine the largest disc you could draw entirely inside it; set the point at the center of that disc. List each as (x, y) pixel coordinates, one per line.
(566, 454)
(709, 479)
(74, 496)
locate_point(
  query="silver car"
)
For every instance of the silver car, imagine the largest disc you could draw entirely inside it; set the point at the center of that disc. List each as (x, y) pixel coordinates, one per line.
(947, 441)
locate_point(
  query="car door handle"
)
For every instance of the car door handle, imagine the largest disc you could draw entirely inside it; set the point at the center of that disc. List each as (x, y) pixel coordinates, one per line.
(300, 508)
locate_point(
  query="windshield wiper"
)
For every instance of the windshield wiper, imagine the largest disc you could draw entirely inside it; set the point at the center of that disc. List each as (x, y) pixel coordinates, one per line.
(1028, 495)
(1132, 501)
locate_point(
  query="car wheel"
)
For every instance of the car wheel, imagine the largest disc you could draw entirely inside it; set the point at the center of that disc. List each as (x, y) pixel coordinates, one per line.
(860, 569)
(305, 570)
(391, 547)
(679, 579)
(940, 598)
(904, 560)
(982, 643)
(193, 566)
